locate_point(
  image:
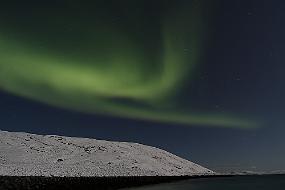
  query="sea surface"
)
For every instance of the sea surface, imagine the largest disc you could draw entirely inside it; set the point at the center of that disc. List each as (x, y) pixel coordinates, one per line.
(266, 182)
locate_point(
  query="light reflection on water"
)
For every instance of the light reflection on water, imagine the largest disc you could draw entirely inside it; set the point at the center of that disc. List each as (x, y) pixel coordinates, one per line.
(269, 182)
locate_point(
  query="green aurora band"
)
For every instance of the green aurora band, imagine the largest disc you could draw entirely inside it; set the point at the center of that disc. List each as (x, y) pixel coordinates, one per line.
(101, 66)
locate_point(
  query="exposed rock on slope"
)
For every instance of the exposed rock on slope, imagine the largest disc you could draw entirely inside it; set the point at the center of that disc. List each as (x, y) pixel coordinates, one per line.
(37, 155)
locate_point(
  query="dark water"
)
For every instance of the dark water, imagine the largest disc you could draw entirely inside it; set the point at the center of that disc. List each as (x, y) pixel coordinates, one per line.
(270, 182)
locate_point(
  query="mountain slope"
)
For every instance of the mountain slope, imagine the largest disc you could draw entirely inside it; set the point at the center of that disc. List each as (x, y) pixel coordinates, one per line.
(51, 155)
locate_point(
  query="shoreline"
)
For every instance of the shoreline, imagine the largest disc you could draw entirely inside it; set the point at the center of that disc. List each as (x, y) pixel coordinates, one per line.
(110, 183)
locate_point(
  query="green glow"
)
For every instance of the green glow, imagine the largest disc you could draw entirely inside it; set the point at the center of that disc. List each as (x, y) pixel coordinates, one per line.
(116, 68)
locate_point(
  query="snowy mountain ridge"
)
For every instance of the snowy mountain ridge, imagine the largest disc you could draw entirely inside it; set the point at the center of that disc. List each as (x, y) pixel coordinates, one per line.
(24, 154)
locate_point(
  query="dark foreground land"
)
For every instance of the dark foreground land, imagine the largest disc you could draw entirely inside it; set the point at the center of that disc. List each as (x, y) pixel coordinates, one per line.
(83, 183)
(112, 183)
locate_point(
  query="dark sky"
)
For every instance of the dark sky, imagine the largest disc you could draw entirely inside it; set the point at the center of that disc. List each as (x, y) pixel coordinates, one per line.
(242, 73)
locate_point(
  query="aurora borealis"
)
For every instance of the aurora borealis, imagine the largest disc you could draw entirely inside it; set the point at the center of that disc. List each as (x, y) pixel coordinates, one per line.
(151, 72)
(109, 59)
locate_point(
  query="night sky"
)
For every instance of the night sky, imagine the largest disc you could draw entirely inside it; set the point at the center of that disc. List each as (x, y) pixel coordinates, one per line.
(201, 79)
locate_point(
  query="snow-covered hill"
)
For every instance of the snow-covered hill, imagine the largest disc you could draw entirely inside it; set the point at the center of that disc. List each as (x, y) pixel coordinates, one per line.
(37, 155)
